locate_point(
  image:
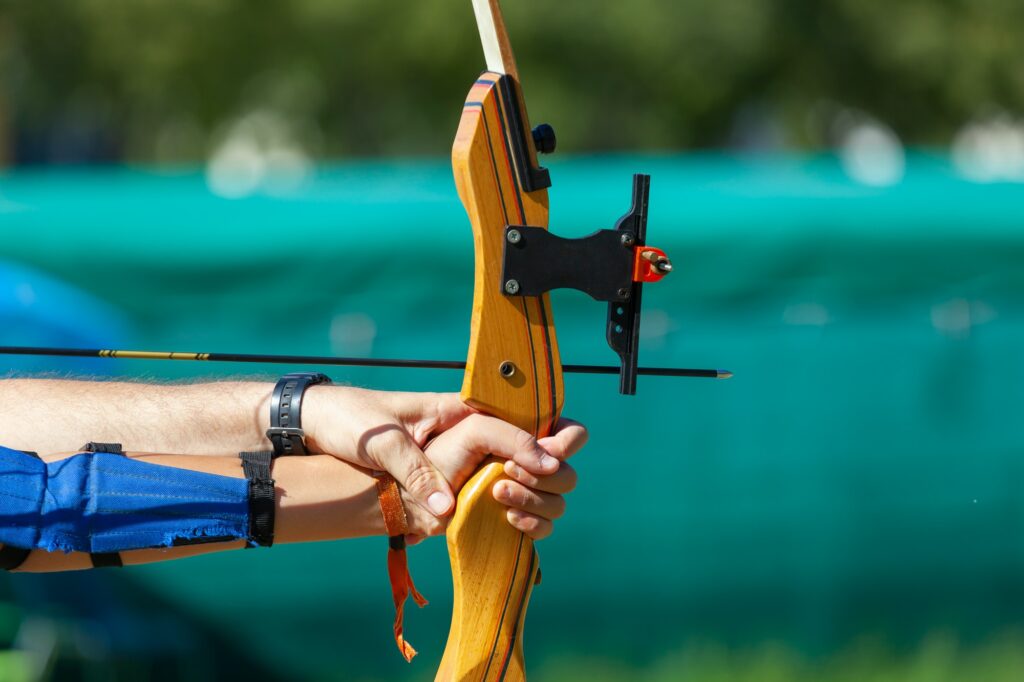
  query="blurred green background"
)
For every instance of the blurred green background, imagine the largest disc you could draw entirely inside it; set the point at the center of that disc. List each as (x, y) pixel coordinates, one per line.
(839, 184)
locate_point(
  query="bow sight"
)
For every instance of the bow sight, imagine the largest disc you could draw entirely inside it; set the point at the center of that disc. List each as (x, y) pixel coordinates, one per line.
(608, 265)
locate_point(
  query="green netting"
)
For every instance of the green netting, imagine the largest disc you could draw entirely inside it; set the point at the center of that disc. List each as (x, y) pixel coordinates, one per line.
(862, 474)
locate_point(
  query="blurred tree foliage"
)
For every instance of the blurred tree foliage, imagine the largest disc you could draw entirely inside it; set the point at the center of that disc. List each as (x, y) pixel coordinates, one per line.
(162, 79)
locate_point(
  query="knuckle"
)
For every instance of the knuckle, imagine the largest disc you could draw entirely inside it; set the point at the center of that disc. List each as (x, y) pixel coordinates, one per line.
(423, 430)
(431, 409)
(528, 524)
(525, 441)
(520, 496)
(521, 475)
(419, 480)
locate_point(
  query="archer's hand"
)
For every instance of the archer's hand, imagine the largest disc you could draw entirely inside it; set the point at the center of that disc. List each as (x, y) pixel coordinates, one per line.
(538, 474)
(385, 431)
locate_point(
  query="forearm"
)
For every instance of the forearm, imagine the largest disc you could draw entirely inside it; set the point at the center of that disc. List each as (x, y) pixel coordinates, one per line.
(318, 498)
(56, 415)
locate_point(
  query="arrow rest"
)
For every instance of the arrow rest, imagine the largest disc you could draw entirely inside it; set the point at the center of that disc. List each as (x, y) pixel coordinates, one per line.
(608, 265)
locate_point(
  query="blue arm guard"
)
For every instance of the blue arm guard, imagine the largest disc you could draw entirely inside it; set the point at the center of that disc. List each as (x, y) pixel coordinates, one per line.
(100, 502)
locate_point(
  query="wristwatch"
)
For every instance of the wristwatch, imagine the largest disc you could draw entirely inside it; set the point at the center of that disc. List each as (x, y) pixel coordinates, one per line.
(285, 430)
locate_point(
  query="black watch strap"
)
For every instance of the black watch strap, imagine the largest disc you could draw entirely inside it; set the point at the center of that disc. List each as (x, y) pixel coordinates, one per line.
(285, 430)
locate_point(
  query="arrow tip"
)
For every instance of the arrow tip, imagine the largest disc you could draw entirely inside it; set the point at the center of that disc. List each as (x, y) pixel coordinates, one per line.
(723, 374)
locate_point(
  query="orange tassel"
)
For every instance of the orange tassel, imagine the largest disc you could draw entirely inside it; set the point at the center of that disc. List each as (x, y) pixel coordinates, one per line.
(397, 525)
(401, 587)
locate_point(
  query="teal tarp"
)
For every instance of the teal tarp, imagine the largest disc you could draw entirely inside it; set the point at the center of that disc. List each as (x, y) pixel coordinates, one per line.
(862, 473)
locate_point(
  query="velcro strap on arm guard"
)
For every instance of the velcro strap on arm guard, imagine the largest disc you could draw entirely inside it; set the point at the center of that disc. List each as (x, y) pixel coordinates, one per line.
(262, 497)
(105, 559)
(102, 503)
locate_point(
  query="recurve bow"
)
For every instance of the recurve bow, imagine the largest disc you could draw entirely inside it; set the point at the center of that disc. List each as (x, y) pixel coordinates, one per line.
(513, 369)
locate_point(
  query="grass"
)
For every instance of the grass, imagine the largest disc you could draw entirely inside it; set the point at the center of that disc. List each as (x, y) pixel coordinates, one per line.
(938, 658)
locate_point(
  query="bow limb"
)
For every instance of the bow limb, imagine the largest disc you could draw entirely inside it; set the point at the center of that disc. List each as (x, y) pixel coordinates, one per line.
(513, 369)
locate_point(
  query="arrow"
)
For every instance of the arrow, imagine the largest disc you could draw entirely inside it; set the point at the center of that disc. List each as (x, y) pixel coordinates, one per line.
(329, 360)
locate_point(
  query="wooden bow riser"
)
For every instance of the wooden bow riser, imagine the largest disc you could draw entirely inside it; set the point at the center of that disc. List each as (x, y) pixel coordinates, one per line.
(515, 329)
(514, 373)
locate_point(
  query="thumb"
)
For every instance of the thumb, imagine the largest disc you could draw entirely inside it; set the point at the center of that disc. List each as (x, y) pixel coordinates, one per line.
(394, 451)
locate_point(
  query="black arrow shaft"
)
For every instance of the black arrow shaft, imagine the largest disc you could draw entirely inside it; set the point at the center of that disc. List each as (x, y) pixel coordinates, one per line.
(327, 360)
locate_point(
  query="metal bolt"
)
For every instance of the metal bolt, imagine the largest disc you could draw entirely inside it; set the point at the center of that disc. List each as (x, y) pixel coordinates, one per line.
(628, 240)
(512, 287)
(506, 369)
(513, 236)
(623, 292)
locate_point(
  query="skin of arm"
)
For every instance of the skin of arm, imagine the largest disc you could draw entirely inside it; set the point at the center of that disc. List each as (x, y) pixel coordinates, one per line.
(382, 431)
(325, 498)
(60, 415)
(318, 498)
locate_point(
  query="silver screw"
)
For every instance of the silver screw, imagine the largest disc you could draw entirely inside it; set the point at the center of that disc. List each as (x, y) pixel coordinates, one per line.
(513, 236)
(512, 287)
(627, 240)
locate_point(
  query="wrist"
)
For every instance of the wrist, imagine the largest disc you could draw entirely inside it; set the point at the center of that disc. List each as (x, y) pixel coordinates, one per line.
(323, 498)
(245, 418)
(286, 431)
(314, 414)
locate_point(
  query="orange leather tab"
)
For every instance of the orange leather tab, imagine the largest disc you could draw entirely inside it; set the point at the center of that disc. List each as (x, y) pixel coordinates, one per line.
(395, 521)
(397, 525)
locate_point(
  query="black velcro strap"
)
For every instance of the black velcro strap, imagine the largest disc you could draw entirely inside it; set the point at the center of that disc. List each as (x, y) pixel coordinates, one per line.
(112, 448)
(106, 560)
(262, 497)
(12, 557)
